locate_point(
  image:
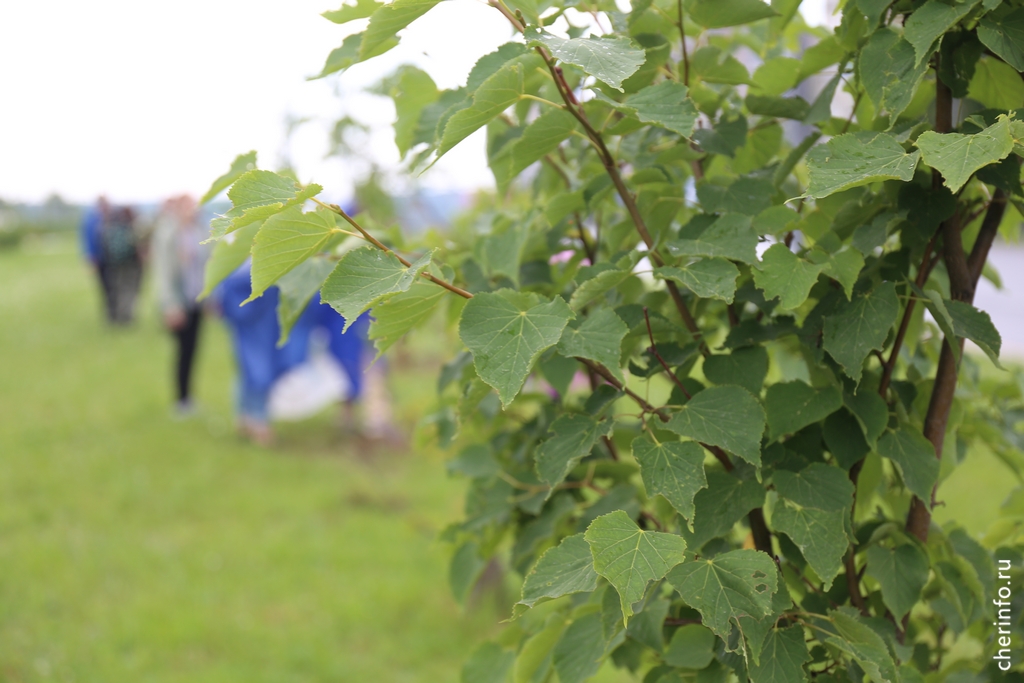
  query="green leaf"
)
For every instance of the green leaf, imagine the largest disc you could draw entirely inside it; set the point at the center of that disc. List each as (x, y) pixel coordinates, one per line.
(756, 630)
(915, 456)
(563, 570)
(629, 557)
(843, 266)
(722, 13)
(287, 239)
(864, 645)
(855, 159)
(783, 274)
(256, 196)
(901, 572)
(871, 412)
(598, 338)
(502, 253)
(783, 656)
(728, 135)
(241, 164)
(813, 510)
(495, 95)
(674, 469)
(937, 307)
(844, 439)
(746, 367)
(489, 663)
(346, 13)
(861, 326)
(692, 647)
(387, 21)
(730, 236)
(1004, 35)
(506, 331)
(709, 278)
(996, 85)
(646, 628)
(296, 288)
(889, 71)
(795, 108)
(347, 54)
(611, 60)
(777, 75)
(748, 196)
(465, 569)
(970, 323)
(396, 316)
(728, 417)
(535, 657)
(607, 278)
(412, 92)
(573, 436)
(713, 65)
(541, 137)
(958, 156)
(791, 406)
(579, 653)
(929, 21)
(366, 276)
(717, 508)
(227, 255)
(739, 583)
(665, 104)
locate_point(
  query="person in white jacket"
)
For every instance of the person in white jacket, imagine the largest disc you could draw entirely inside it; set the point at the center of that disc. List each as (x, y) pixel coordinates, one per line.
(178, 262)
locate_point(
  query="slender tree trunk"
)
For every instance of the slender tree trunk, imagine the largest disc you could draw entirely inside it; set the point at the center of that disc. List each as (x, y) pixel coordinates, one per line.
(964, 273)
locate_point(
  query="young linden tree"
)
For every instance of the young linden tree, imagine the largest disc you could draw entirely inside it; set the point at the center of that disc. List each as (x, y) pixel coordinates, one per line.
(711, 329)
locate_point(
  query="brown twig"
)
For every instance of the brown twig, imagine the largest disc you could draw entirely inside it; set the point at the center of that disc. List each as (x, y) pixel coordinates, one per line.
(682, 36)
(923, 271)
(853, 584)
(610, 379)
(964, 273)
(653, 348)
(377, 243)
(572, 105)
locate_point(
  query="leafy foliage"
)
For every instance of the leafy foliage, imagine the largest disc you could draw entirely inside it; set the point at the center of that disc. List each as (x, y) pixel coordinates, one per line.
(695, 395)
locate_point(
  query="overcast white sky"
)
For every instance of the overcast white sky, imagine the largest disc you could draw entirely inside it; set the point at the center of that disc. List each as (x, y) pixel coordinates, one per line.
(139, 100)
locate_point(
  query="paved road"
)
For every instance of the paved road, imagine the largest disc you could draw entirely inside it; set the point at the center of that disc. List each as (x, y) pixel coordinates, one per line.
(1006, 306)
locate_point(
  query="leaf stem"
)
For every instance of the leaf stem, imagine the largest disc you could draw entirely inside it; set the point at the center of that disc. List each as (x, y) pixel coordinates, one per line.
(610, 379)
(653, 348)
(682, 36)
(612, 169)
(377, 243)
(964, 274)
(528, 96)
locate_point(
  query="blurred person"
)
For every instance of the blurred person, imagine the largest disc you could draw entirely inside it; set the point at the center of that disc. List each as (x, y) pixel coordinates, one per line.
(254, 331)
(348, 349)
(90, 232)
(178, 260)
(120, 262)
(367, 382)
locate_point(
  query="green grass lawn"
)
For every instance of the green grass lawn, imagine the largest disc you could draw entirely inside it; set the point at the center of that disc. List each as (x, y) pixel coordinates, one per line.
(136, 548)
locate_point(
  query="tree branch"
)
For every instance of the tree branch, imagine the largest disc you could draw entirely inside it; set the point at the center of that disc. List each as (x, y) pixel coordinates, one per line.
(377, 243)
(964, 273)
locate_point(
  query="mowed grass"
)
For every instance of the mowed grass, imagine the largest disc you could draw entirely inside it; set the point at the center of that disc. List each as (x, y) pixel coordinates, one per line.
(137, 548)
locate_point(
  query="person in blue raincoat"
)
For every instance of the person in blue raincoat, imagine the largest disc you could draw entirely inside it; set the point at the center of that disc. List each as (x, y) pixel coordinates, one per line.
(254, 332)
(349, 349)
(90, 238)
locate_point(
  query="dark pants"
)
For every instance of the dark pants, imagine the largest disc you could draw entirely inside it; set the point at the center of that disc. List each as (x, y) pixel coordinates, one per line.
(187, 337)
